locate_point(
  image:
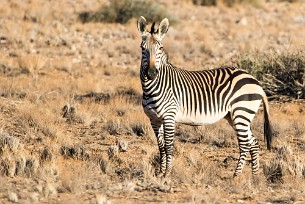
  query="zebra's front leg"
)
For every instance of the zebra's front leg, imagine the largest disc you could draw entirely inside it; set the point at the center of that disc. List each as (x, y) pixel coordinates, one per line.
(169, 131)
(159, 132)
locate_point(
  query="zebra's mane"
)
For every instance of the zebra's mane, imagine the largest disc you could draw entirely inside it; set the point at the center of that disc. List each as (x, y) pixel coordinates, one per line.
(152, 29)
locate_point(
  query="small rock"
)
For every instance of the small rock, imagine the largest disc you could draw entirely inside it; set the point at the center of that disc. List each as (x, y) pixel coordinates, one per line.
(242, 21)
(3, 40)
(68, 111)
(123, 145)
(34, 197)
(13, 197)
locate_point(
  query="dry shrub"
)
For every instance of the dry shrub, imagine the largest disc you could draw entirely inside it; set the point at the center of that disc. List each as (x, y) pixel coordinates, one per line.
(31, 166)
(93, 96)
(13, 94)
(139, 129)
(231, 3)
(75, 152)
(105, 165)
(68, 112)
(130, 94)
(7, 141)
(32, 63)
(205, 2)
(298, 128)
(116, 127)
(273, 172)
(286, 163)
(12, 161)
(46, 156)
(128, 173)
(11, 71)
(113, 151)
(31, 121)
(280, 74)
(120, 11)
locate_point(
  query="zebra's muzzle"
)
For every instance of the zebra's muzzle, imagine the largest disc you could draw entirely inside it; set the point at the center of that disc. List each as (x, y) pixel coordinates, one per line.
(151, 73)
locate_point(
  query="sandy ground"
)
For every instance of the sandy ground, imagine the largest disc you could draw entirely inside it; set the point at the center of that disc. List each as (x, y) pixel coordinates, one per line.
(50, 60)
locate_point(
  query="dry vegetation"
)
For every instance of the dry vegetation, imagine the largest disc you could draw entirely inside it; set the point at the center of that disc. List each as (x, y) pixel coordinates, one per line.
(72, 129)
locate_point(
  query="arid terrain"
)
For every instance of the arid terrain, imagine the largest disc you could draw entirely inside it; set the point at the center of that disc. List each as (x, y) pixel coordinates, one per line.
(72, 128)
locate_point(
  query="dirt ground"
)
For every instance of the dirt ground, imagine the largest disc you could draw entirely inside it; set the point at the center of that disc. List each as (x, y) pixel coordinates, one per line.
(72, 128)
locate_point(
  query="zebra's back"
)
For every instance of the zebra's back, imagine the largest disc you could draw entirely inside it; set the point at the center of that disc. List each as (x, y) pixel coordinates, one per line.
(207, 96)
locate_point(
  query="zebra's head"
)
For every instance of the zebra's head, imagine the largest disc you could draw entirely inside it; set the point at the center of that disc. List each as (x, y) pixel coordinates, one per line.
(153, 54)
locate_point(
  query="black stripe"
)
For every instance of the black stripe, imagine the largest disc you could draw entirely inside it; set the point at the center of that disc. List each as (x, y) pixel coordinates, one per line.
(243, 109)
(242, 82)
(247, 97)
(241, 130)
(242, 117)
(242, 124)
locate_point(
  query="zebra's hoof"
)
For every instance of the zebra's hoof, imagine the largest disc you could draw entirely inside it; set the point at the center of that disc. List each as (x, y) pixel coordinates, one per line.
(235, 175)
(160, 175)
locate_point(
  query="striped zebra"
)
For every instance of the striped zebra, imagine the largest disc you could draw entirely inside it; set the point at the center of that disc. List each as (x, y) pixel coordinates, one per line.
(173, 95)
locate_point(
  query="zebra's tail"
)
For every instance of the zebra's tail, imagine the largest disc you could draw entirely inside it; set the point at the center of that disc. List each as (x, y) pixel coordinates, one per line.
(268, 131)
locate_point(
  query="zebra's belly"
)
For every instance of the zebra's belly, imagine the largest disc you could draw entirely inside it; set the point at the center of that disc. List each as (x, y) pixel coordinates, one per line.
(199, 119)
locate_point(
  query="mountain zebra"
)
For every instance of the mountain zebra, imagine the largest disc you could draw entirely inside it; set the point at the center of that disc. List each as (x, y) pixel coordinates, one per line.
(171, 95)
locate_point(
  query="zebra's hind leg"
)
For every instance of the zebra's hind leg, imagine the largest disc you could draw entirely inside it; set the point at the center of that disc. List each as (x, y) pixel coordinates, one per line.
(244, 149)
(254, 151)
(241, 129)
(159, 132)
(247, 143)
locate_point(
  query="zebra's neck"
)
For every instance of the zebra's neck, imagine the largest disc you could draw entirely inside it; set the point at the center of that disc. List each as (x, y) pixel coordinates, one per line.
(149, 85)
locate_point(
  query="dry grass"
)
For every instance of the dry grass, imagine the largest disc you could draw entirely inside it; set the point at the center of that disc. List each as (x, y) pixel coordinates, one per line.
(71, 122)
(121, 11)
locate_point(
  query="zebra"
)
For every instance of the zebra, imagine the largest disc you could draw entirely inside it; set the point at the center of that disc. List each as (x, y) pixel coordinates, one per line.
(173, 95)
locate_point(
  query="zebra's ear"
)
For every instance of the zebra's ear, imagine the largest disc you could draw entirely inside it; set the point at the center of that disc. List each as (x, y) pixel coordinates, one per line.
(163, 28)
(142, 25)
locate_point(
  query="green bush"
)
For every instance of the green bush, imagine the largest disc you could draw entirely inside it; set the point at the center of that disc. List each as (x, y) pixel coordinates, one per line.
(280, 74)
(120, 11)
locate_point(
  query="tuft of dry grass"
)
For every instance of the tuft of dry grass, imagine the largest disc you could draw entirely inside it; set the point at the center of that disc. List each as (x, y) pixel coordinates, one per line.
(287, 164)
(231, 3)
(273, 172)
(74, 152)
